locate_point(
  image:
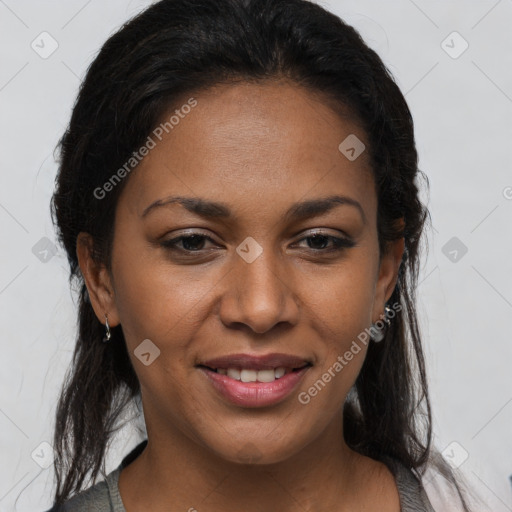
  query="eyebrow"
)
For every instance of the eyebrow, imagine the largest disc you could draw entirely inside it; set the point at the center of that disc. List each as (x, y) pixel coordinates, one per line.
(298, 211)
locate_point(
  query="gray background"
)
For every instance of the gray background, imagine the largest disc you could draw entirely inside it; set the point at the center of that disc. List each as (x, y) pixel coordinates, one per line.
(462, 106)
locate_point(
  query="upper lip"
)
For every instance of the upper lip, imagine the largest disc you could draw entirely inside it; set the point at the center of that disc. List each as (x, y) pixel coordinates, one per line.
(256, 362)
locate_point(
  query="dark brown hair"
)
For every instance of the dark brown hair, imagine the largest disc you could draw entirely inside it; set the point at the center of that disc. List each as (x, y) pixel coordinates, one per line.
(177, 48)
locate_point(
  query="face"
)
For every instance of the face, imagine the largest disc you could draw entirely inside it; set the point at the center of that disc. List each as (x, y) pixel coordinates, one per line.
(285, 262)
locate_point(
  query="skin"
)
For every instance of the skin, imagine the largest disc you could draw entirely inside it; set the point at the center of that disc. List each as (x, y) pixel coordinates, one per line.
(259, 149)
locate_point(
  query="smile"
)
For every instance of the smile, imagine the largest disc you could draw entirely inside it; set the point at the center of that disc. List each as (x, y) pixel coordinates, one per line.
(251, 375)
(254, 388)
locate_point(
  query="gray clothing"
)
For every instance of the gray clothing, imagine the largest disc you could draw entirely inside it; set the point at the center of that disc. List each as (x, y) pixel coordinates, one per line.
(104, 496)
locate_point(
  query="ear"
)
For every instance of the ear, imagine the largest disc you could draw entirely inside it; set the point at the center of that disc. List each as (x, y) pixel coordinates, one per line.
(388, 274)
(98, 281)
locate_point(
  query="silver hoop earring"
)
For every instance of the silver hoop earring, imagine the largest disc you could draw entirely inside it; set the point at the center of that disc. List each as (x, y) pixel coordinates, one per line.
(107, 336)
(377, 332)
(387, 314)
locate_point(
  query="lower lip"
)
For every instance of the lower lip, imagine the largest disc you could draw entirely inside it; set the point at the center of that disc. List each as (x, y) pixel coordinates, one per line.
(254, 394)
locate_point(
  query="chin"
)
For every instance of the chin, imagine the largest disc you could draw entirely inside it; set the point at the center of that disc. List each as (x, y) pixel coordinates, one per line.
(258, 453)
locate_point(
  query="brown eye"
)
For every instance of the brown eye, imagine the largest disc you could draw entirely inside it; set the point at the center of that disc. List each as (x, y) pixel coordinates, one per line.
(319, 242)
(189, 243)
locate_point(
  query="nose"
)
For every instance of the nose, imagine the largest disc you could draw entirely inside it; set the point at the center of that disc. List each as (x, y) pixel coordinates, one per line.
(259, 295)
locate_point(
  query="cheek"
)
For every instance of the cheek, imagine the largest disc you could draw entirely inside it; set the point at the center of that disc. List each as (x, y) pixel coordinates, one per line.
(343, 298)
(341, 309)
(157, 303)
(153, 299)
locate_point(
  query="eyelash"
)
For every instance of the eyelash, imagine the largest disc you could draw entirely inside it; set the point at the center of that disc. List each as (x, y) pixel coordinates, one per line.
(339, 244)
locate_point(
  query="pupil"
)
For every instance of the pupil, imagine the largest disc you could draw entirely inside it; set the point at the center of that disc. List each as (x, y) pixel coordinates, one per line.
(317, 238)
(191, 242)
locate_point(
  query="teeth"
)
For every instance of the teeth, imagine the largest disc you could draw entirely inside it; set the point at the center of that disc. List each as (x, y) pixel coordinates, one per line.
(279, 372)
(246, 375)
(233, 373)
(264, 376)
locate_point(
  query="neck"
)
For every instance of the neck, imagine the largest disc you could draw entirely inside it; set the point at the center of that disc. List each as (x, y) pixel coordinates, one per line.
(177, 470)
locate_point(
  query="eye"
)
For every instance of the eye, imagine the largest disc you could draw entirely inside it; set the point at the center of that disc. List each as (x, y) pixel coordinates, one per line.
(189, 243)
(319, 242)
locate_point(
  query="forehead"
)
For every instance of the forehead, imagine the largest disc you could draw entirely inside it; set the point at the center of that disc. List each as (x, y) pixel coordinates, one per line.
(272, 142)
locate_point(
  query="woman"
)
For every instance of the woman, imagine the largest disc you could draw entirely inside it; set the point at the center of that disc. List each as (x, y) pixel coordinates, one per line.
(238, 199)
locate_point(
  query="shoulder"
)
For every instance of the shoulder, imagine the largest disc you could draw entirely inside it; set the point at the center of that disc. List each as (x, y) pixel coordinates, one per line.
(101, 497)
(413, 497)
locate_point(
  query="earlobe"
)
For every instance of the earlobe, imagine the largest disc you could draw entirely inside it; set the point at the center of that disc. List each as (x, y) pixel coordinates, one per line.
(388, 274)
(97, 279)
(396, 252)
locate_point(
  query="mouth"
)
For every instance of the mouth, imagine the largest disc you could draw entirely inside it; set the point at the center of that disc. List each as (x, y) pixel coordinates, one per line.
(253, 388)
(255, 375)
(255, 381)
